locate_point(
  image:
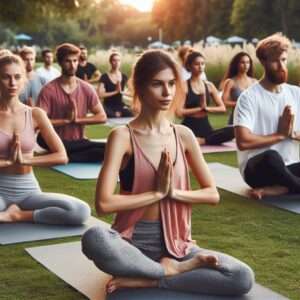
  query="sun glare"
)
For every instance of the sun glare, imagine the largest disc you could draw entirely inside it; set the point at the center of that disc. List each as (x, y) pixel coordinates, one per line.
(142, 5)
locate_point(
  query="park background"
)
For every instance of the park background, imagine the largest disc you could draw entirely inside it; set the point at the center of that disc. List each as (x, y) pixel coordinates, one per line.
(266, 238)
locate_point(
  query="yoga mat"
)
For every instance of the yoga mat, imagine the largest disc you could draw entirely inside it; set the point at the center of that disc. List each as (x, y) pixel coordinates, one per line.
(230, 179)
(27, 232)
(80, 170)
(225, 147)
(82, 275)
(112, 122)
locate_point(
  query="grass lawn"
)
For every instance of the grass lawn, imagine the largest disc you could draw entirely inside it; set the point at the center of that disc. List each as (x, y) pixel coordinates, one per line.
(266, 238)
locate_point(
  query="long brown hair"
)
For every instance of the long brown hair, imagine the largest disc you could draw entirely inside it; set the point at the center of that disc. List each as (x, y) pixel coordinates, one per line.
(147, 66)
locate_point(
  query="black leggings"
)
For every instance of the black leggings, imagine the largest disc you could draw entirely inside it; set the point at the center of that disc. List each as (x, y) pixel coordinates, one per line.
(202, 128)
(82, 150)
(268, 169)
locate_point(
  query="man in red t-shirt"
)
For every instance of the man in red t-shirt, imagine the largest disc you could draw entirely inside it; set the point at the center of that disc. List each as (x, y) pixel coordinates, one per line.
(67, 101)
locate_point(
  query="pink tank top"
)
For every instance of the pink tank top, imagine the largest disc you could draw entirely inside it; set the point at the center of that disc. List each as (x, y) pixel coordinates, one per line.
(175, 215)
(27, 137)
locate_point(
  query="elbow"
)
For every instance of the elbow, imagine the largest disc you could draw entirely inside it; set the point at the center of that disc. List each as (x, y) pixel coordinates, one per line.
(215, 199)
(241, 145)
(102, 209)
(63, 159)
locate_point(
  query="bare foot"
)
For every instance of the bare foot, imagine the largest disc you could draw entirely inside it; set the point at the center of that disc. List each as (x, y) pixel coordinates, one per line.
(173, 267)
(10, 215)
(125, 282)
(275, 190)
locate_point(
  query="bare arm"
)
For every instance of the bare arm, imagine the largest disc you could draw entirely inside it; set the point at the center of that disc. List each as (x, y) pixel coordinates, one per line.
(118, 145)
(95, 77)
(57, 153)
(208, 192)
(245, 139)
(98, 117)
(226, 96)
(220, 107)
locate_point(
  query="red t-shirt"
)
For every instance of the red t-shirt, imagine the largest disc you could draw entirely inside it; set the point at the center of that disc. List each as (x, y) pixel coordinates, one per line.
(57, 104)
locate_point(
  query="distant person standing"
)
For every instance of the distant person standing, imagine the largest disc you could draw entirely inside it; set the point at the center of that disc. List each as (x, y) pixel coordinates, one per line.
(48, 71)
(86, 70)
(111, 89)
(67, 101)
(34, 82)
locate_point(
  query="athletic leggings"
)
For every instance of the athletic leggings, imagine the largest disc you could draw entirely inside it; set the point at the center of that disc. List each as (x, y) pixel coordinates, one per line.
(202, 128)
(268, 169)
(82, 150)
(139, 258)
(48, 208)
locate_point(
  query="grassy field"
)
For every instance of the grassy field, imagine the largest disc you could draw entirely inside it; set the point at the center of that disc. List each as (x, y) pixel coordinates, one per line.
(266, 238)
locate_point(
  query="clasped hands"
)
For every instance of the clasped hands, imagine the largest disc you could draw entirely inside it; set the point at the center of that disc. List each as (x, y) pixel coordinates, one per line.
(16, 155)
(72, 116)
(164, 178)
(286, 124)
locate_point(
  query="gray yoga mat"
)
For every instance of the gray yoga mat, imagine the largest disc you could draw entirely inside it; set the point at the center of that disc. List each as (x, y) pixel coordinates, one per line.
(82, 275)
(80, 170)
(27, 232)
(230, 179)
(225, 147)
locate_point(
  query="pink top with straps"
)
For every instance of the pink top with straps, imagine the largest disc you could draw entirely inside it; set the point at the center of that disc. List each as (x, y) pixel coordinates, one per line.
(175, 215)
(27, 137)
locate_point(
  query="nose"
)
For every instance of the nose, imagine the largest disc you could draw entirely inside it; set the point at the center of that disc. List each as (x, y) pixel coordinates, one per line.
(12, 81)
(166, 90)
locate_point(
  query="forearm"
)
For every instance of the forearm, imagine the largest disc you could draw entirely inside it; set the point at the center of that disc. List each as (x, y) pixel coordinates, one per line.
(108, 94)
(230, 103)
(89, 120)
(215, 109)
(46, 160)
(208, 195)
(185, 112)
(259, 141)
(60, 122)
(117, 203)
(5, 163)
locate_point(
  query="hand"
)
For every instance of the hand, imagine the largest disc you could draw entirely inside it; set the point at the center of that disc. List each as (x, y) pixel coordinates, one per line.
(72, 117)
(286, 122)
(118, 87)
(163, 178)
(14, 149)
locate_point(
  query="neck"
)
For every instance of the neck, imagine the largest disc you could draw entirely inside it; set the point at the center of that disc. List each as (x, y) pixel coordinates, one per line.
(242, 75)
(114, 71)
(30, 74)
(196, 77)
(68, 80)
(83, 62)
(47, 67)
(270, 86)
(153, 120)
(9, 103)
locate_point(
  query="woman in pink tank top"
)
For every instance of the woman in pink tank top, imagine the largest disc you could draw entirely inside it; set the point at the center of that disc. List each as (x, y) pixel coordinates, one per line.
(21, 199)
(150, 242)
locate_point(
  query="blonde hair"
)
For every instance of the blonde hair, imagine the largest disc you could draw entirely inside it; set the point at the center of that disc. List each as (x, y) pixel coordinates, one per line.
(272, 45)
(27, 50)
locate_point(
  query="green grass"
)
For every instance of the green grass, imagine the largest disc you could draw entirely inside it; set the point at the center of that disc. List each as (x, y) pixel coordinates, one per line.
(266, 238)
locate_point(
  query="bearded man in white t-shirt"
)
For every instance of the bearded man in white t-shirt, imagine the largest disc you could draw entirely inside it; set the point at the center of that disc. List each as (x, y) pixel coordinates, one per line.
(267, 125)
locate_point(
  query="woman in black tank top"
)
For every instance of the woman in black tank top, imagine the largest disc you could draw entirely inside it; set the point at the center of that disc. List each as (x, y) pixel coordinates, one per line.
(197, 104)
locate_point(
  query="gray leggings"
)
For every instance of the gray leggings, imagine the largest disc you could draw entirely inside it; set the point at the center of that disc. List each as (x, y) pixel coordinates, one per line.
(118, 257)
(48, 208)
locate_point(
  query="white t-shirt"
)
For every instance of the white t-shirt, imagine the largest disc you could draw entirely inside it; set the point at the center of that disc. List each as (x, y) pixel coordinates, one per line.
(48, 74)
(259, 110)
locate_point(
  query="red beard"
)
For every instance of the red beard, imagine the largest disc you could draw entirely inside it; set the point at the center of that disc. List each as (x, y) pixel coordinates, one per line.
(277, 77)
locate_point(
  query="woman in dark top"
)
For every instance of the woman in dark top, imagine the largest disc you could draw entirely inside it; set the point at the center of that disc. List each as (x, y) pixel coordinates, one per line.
(196, 106)
(238, 77)
(111, 88)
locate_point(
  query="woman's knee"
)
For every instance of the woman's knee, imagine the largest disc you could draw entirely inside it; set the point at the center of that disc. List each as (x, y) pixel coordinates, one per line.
(243, 279)
(79, 212)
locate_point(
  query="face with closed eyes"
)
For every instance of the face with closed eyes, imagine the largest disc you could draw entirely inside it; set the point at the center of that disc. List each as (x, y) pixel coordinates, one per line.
(160, 91)
(11, 80)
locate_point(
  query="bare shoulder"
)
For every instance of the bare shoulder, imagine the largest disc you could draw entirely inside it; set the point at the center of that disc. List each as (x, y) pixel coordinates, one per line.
(186, 135)
(210, 85)
(120, 137)
(228, 83)
(38, 113)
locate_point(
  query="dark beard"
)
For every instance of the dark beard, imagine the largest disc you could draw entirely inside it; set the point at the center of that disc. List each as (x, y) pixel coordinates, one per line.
(277, 77)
